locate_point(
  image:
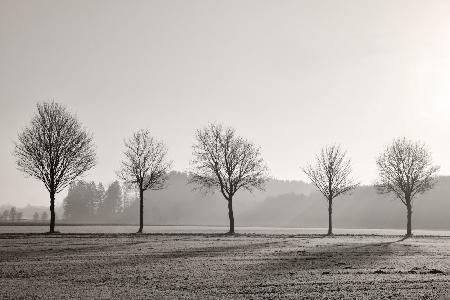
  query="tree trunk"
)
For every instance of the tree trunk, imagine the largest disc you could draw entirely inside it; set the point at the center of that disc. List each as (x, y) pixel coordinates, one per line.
(230, 215)
(330, 213)
(409, 217)
(141, 210)
(52, 212)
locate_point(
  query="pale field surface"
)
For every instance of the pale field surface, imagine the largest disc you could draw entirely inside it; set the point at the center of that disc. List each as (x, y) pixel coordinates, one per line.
(214, 266)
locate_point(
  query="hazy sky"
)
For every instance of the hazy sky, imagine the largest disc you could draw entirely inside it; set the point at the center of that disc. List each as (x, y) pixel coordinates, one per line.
(291, 76)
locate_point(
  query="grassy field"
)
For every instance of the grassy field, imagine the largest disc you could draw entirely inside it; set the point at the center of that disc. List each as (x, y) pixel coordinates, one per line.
(128, 266)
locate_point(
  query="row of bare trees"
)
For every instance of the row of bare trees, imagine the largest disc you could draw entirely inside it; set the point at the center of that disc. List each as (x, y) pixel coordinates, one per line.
(405, 169)
(57, 150)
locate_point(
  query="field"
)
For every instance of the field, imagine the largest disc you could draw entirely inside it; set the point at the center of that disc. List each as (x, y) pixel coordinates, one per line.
(214, 266)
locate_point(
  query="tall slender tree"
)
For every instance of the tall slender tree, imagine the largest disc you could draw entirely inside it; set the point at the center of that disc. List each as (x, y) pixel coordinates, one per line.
(54, 149)
(226, 162)
(13, 214)
(331, 176)
(112, 202)
(79, 201)
(99, 197)
(44, 216)
(145, 166)
(406, 170)
(19, 216)
(5, 215)
(129, 195)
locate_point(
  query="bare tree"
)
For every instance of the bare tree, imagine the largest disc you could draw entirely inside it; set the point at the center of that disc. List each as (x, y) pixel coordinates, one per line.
(145, 166)
(226, 162)
(405, 169)
(331, 176)
(54, 149)
(44, 216)
(13, 214)
(5, 215)
(19, 216)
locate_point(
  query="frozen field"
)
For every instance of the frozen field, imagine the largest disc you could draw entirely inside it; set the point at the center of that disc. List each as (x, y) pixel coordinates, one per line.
(213, 266)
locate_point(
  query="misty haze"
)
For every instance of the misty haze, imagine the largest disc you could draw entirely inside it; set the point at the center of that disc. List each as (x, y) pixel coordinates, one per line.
(224, 150)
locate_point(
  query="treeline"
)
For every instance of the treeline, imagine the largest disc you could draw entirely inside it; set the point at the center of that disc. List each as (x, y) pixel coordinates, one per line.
(13, 215)
(90, 202)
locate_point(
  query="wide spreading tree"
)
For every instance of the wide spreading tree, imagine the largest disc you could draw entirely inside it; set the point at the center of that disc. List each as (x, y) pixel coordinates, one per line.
(54, 149)
(226, 162)
(405, 169)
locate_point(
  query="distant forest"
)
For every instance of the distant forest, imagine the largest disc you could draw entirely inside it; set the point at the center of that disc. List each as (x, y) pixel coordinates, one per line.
(284, 203)
(10, 214)
(90, 202)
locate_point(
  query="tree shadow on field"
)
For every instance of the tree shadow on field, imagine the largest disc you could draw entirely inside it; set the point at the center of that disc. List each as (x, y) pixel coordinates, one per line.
(239, 247)
(228, 252)
(213, 250)
(333, 257)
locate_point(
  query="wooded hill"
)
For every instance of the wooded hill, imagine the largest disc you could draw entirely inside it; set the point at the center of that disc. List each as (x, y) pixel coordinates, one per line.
(296, 204)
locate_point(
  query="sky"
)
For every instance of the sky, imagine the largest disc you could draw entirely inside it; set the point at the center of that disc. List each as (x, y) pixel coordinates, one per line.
(291, 76)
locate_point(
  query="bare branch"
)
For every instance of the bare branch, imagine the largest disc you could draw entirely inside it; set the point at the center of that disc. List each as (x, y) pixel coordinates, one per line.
(331, 173)
(226, 162)
(55, 148)
(145, 164)
(405, 169)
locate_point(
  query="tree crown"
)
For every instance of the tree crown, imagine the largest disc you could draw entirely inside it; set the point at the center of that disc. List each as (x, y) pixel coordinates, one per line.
(405, 169)
(225, 161)
(54, 148)
(331, 172)
(145, 164)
